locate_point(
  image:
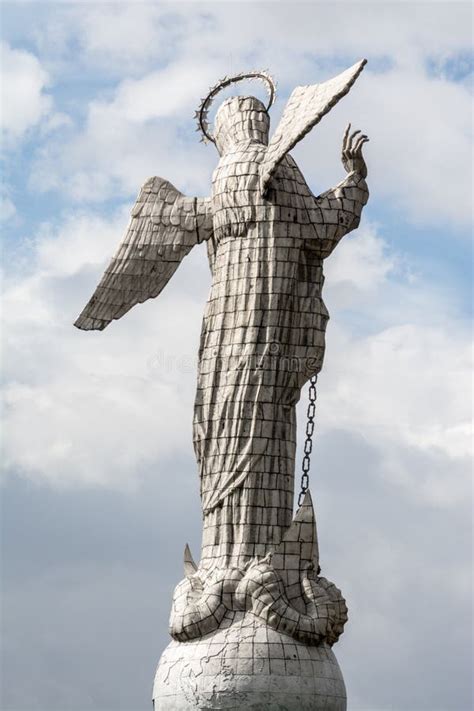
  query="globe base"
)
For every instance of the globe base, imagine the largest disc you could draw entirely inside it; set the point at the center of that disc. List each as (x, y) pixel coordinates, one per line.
(248, 666)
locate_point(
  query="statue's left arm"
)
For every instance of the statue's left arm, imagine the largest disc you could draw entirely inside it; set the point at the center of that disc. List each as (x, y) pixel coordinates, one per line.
(338, 211)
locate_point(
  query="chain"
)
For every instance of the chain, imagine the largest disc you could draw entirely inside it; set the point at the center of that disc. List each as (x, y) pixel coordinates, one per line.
(308, 445)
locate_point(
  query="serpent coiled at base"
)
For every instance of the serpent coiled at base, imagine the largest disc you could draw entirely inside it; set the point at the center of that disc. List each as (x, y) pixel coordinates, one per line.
(200, 604)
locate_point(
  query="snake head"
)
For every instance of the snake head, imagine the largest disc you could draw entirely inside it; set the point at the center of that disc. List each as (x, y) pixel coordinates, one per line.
(193, 583)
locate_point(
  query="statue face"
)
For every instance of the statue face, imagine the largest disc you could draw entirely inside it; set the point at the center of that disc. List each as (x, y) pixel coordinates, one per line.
(240, 118)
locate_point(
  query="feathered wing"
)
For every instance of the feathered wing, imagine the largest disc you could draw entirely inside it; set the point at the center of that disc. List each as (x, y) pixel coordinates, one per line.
(305, 108)
(164, 227)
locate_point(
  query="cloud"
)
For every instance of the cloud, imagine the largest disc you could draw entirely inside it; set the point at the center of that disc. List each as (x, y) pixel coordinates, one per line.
(25, 101)
(382, 387)
(398, 365)
(130, 137)
(94, 405)
(422, 130)
(393, 556)
(7, 208)
(205, 29)
(420, 142)
(364, 263)
(105, 31)
(102, 565)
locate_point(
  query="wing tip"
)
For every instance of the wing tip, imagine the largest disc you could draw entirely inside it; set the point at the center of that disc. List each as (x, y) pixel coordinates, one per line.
(359, 67)
(87, 323)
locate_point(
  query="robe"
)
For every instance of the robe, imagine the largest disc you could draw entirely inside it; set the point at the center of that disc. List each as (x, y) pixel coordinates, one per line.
(263, 337)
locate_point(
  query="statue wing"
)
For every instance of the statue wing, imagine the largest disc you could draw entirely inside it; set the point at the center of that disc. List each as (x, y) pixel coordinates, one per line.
(164, 227)
(305, 108)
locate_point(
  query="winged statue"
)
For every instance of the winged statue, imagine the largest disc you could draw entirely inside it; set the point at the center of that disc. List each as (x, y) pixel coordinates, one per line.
(263, 331)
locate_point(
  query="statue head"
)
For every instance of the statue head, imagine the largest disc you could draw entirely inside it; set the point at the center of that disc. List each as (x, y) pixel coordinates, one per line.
(240, 118)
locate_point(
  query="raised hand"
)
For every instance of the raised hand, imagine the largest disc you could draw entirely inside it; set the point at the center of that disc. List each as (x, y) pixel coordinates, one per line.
(352, 158)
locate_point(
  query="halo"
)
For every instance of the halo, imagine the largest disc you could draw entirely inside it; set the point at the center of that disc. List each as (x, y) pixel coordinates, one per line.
(202, 113)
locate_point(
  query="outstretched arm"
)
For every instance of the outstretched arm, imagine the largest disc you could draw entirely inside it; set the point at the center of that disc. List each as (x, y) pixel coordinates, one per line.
(305, 108)
(341, 207)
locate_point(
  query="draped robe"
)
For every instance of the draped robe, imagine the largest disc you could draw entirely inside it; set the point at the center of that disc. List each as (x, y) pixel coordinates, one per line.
(263, 332)
(263, 337)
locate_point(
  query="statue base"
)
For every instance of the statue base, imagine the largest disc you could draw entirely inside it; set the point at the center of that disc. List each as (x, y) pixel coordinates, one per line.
(247, 665)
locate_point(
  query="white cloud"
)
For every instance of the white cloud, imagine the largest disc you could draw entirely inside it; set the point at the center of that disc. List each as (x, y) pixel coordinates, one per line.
(120, 31)
(418, 156)
(160, 94)
(364, 263)
(98, 408)
(405, 385)
(115, 33)
(134, 135)
(24, 101)
(68, 444)
(7, 208)
(422, 132)
(398, 369)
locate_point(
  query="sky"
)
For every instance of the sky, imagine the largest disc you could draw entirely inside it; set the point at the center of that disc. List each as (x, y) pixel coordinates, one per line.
(99, 489)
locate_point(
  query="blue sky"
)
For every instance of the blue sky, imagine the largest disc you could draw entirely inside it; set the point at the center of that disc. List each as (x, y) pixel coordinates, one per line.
(100, 490)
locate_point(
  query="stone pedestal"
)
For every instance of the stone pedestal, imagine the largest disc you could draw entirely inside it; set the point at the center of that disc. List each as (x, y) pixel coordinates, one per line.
(248, 666)
(256, 637)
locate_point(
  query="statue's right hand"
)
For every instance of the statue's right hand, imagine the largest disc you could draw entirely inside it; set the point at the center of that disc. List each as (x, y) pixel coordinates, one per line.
(352, 158)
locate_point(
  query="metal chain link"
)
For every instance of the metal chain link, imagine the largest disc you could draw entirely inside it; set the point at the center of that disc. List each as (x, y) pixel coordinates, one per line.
(308, 445)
